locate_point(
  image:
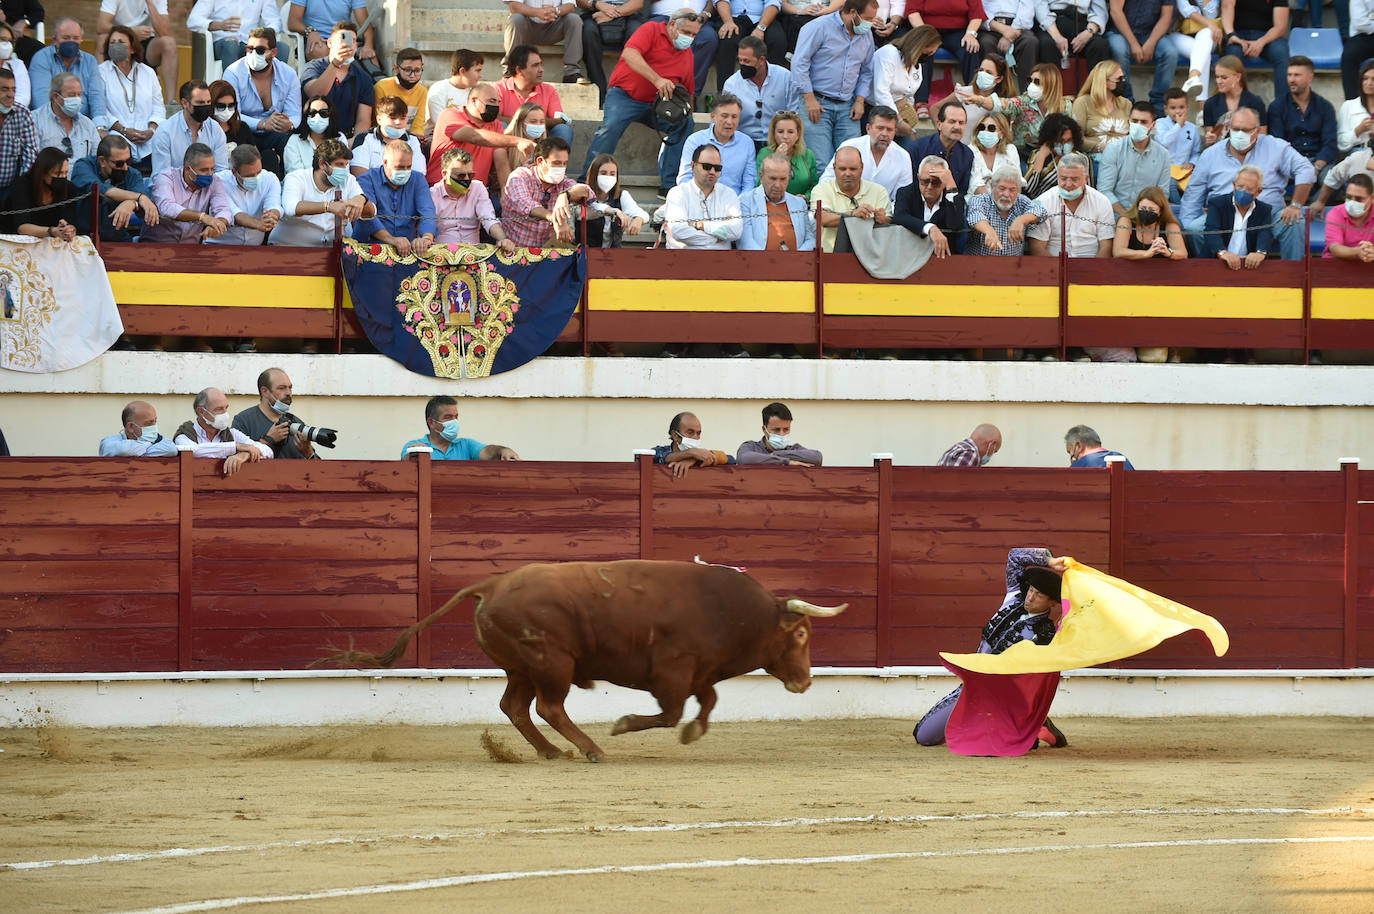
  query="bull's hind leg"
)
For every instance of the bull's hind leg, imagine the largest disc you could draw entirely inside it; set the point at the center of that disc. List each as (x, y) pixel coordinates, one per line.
(696, 729)
(549, 695)
(516, 703)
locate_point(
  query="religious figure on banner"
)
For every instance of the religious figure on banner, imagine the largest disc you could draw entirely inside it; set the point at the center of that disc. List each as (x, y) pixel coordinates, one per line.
(10, 292)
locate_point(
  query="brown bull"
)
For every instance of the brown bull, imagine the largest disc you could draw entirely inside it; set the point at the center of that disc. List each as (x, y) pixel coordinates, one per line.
(673, 629)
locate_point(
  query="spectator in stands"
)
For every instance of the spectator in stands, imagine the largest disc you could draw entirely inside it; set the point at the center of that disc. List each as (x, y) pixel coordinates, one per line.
(139, 437)
(1059, 136)
(1349, 228)
(317, 18)
(60, 122)
(1356, 122)
(1090, 217)
(18, 134)
(1303, 118)
(45, 190)
(1026, 112)
(342, 77)
(547, 22)
(529, 122)
(133, 96)
(465, 72)
(945, 143)
(763, 89)
(312, 199)
(993, 81)
(849, 195)
(958, 22)
(1100, 109)
(9, 60)
(461, 205)
(832, 67)
(706, 42)
(785, 137)
(1199, 36)
(261, 75)
(190, 199)
(65, 56)
(614, 213)
(1361, 161)
(148, 20)
(1279, 164)
(391, 125)
(1008, 30)
(933, 208)
(773, 448)
(757, 19)
(1359, 47)
(998, 219)
(266, 421)
(884, 163)
(406, 85)
(476, 129)
(1149, 229)
(1072, 28)
(226, 113)
(773, 219)
(993, 151)
(654, 62)
(1232, 94)
(607, 24)
(703, 214)
(254, 195)
(441, 433)
(195, 125)
(22, 16)
(683, 450)
(537, 204)
(1247, 218)
(1255, 30)
(497, 452)
(405, 210)
(316, 126)
(899, 78)
(975, 450)
(524, 83)
(1139, 34)
(1084, 447)
(1180, 137)
(211, 436)
(1134, 162)
(231, 23)
(124, 192)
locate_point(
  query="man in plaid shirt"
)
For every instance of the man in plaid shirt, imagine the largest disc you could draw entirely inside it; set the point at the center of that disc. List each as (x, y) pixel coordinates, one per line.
(537, 203)
(997, 221)
(975, 450)
(18, 136)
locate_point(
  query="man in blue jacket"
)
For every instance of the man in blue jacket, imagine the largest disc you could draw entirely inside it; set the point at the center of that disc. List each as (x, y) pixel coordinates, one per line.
(1239, 229)
(763, 207)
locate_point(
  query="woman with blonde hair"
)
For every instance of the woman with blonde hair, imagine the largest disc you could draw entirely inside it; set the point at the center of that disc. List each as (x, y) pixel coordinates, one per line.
(1101, 109)
(785, 136)
(530, 122)
(1232, 92)
(1149, 229)
(898, 70)
(992, 149)
(1025, 113)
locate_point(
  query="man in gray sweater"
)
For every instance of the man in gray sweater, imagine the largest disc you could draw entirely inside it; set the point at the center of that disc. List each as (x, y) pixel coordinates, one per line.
(773, 448)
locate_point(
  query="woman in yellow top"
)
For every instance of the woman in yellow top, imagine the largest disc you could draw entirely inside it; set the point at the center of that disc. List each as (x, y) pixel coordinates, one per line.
(785, 136)
(1100, 109)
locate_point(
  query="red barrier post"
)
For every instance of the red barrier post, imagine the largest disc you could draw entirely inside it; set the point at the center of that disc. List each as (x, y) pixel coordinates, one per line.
(820, 289)
(645, 460)
(1063, 283)
(423, 539)
(95, 216)
(1350, 635)
(1307, 287)
(883, 648)
(586, 289)
(1116, 523)
(186, 485)
(337, 264)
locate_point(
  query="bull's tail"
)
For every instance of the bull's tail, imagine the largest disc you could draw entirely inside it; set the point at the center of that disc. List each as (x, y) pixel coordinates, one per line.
(359, 659)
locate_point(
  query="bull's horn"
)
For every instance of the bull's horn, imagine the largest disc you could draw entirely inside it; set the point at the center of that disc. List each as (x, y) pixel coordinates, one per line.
(811, 609)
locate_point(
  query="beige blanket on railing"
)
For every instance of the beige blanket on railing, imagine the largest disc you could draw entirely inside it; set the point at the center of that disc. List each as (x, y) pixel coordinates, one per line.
(886, 251)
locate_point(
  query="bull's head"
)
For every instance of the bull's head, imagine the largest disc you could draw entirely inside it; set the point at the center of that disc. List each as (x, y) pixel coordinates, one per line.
(792, 664)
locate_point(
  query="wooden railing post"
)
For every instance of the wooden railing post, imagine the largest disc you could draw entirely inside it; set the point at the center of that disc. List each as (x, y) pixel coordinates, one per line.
(645, 461)
(1063, 283)
(883, 643)
(424, 466)
(1307, 287)
(1116, 529)
(186, 484)
(1350, 473)
(819, 288)
(586, 288)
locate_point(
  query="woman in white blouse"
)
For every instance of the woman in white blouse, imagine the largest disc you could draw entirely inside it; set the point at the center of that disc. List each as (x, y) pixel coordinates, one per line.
(614, 212)
(1355, 122)
(897, 75)
(992, 150)
(9, 61)
(133, 95)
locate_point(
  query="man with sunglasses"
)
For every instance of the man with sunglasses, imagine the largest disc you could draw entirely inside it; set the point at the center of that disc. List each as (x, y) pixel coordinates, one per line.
(933, 208)
(764, 89)
(60, 122)
(269, 95)
(702, 214)
(124, 192)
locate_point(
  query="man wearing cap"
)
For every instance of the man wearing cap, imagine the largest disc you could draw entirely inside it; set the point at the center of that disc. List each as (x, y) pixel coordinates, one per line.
(1030, 612)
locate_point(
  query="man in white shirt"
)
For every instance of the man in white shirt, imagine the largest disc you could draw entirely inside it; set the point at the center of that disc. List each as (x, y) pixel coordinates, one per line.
(148, 19)
(763, 88)
(466, 67)
(229, 23)
(312, 199)
(269, 94)
(1091, 222)
(884, 163)
(254, 198)
(700, 214)
(739, 157)
(176, 134)
(392, 120)
(211, 434)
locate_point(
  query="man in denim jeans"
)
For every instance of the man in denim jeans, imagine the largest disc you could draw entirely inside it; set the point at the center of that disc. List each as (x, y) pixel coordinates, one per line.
(832, 68)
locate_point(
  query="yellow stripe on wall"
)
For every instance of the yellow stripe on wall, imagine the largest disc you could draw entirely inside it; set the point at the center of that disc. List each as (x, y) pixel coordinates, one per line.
(701, 296)
(1184, 301)
(941, 301)
(230, 290)
(1342, 304)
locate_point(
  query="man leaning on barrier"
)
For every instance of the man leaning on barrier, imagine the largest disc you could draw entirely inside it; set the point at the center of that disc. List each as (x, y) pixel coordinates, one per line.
(269, 420)
(405, 210)
(775, 448)
(209, 434)
(998, 220)
(684, 451)
(139, 437)
(124, 192)
(537, 203)
(1238, 224)
(1349, 227)
(933, 208)
(441, 424)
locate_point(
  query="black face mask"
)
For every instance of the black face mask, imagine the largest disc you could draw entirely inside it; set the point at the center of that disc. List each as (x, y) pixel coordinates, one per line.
(1148, 216)
(748, 72)
(489, 113)
(925, 59)
(1120, 90)
(462, 181)
(200, 113)
(118, 173)
(404, 83)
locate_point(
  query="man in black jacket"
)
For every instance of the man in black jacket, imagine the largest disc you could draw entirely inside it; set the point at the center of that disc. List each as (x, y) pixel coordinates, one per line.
(933, 208)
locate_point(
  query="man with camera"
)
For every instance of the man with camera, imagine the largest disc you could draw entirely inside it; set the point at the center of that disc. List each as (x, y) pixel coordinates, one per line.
(272, 423)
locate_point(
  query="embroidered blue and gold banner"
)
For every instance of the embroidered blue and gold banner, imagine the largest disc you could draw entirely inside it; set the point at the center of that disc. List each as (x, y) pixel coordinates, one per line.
(463, 311)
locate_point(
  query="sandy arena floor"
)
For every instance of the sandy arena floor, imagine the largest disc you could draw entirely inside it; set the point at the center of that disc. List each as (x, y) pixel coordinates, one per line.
(1202, 815)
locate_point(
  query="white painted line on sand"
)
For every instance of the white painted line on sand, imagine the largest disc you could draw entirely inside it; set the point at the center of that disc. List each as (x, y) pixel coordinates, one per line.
(876, 818)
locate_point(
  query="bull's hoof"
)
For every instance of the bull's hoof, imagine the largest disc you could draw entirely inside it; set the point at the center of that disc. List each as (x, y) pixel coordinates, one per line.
(693, 731)
(596, 757)
(621, 726)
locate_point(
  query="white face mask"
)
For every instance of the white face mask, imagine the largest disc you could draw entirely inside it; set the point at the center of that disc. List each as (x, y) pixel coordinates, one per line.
(256, 62)
(220, 422)
(554, 175)
(1035, 92)
(605, 182)
(689, 443)
(6, 49)
(1355, 209)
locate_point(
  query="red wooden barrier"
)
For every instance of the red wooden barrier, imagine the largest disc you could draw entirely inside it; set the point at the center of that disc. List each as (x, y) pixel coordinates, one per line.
(159, 565)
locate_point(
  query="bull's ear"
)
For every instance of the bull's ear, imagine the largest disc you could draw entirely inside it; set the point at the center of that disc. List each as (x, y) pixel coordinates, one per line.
(790, 621)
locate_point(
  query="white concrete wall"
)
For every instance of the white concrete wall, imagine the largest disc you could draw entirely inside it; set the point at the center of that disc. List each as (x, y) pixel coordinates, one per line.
(1162, 416)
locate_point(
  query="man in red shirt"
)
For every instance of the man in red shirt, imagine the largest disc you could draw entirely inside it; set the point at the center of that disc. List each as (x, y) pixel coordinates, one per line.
(524, 82)
(655, 61)
(475, 127)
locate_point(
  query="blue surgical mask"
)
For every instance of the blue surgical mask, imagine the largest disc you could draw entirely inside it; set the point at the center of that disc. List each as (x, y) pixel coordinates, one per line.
(68, 50)
(1070, 194)
(339, 176)
(1063, 149)
(862, 26)
(251, 183)
(983, 459)
(1244, 197)
(203, 181)
(1240, 140)
(318, 123)
(984, 80)
(683, 41)
(534, 131)
(777, 441)
(279, 407)
(393, 133)
(450, 430)
(149, 434)
(987, 138)
(399, 177)
(1139, 132)
(71, 106)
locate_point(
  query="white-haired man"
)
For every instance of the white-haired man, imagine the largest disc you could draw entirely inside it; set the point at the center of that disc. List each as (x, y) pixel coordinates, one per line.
(998, 220)
(933, 208)
(210, 434)
(773, 219)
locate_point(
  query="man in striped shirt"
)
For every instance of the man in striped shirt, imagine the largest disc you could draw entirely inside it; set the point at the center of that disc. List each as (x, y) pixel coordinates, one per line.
(975, 450)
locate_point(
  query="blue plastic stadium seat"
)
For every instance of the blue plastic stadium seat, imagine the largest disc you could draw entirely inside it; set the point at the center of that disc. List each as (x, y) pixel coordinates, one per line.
(946, 57)
(1318, 244)
(1322, 45)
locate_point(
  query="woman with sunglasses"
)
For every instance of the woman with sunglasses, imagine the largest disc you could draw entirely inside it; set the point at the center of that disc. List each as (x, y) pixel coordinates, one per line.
(317, 114)
(225, 100)
(1026, 112)
(1059, 136)
(1101, 109)
(991, 151)
(786, 136)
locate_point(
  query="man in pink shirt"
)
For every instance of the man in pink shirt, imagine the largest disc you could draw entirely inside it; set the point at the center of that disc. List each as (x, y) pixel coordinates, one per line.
(462, 204)
(524, 82)
(1349, 228)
